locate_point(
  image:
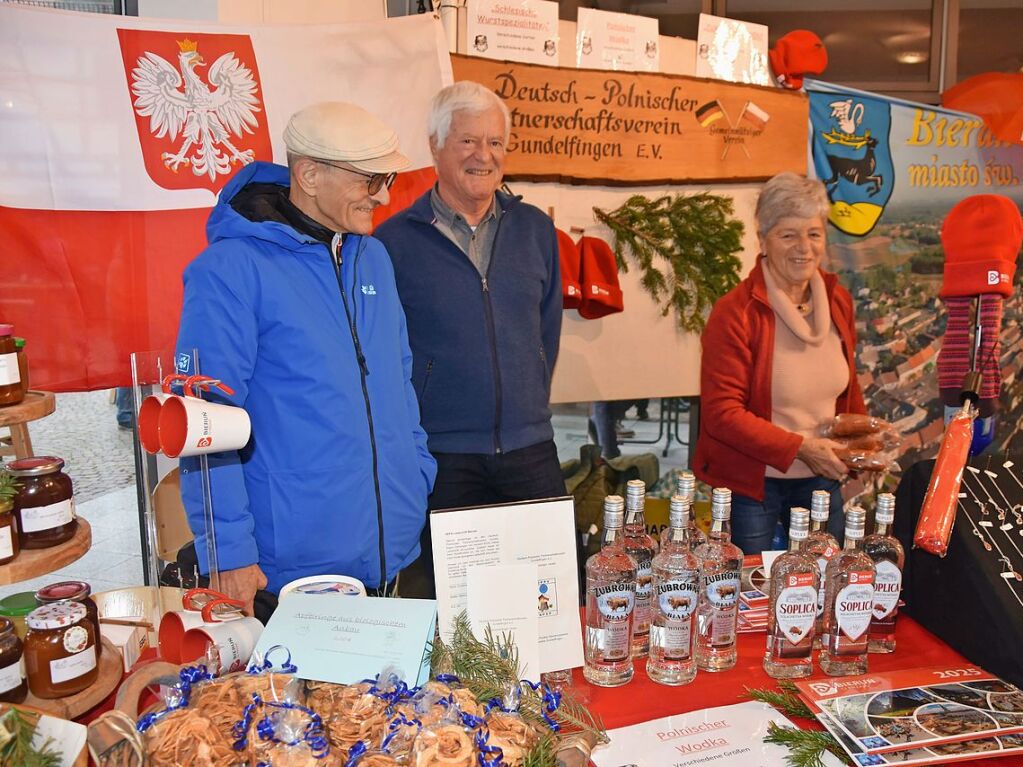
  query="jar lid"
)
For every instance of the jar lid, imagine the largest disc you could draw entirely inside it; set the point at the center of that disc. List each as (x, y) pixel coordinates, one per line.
(35, 466)
(56, 592)
(56, 616)
(6, 329)
(19, 343)
(18, 605)
(6, 627)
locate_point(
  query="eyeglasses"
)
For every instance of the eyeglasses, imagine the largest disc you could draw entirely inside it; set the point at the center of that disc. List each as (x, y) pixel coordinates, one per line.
(376, 180)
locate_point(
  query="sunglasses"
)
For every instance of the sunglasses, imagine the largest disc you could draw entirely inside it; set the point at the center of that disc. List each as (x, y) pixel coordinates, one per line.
(376, 180)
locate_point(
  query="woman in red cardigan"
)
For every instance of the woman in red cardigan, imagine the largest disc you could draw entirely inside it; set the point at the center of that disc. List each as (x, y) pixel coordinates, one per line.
(777, 363)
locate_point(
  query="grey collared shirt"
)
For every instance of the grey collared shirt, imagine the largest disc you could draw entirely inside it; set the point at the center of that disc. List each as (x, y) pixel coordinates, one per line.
(476, 242)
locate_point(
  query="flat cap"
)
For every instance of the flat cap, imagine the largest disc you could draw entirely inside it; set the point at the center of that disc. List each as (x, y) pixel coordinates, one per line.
(343, 132)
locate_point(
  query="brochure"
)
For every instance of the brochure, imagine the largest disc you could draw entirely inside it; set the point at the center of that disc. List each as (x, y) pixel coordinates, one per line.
(907, 710)
(728, 736)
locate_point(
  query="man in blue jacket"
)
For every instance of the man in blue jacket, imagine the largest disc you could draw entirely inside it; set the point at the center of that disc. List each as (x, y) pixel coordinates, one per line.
(295, 307)
(478, 275)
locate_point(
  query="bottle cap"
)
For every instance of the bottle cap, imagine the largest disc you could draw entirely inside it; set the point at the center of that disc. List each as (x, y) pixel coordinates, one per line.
(885, 512)
(635, 487)
(721, 503)
(614, 512)
(685, 484)
(855, 519)
(678, 511)
(799, 523)
(820, 506)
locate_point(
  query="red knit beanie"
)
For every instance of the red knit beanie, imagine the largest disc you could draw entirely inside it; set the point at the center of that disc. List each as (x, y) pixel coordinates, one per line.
(981, 236)
(795, 55)
(568, 255)
(601, 292)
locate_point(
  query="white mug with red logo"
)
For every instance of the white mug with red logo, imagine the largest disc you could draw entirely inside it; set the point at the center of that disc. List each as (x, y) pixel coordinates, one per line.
(234, 640)
(149, 414)
(172, 630)
(190, 425)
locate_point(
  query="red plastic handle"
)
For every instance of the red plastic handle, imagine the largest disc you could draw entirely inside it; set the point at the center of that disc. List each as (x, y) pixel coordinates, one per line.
(205, 383)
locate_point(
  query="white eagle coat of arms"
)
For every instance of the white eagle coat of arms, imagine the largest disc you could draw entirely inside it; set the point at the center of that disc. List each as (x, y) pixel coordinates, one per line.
(180, 102)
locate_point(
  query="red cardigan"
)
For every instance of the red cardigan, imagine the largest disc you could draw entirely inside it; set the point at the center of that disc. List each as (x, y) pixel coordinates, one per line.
(737, 439)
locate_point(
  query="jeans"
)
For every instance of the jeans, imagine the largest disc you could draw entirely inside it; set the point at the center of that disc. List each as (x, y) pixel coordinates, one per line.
(754, 522)
(473, 479)
(125, 407)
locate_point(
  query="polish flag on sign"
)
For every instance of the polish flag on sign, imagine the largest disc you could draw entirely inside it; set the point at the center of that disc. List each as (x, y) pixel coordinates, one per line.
(117, 133)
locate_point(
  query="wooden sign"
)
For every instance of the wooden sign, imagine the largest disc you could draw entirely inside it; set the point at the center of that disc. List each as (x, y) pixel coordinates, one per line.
(588, 126)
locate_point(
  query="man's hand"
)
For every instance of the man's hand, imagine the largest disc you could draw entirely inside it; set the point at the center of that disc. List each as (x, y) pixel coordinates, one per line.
(819, 455)
(242, 584)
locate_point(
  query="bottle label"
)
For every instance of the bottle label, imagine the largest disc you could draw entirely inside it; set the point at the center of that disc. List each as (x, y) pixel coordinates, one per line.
(795, 610)
(854, 604)
(723, 588)
(12, 676)
(6, 542)
(887, 588)
(616, 603)
(75, 639)
(9, 373)
(73, 666)
(676, 602)
(35, 519)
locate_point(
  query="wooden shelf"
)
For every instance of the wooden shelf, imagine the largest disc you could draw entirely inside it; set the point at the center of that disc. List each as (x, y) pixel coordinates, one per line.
(111, 669)
(32, 563)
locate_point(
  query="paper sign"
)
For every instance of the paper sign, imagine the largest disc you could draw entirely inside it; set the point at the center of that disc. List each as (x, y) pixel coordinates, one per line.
(345, 640)
(68, 738)
(540, 533)
(526, 30)
(504, 598)
(769, 557)
(728, 49)
(729, 736)
(620, 41)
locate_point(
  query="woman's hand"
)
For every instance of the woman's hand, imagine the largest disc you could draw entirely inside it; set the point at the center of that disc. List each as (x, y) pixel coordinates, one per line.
(819, 455)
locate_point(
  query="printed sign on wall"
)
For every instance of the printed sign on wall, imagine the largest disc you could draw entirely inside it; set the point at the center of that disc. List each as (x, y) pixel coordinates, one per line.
(618, 41)
(526, 30)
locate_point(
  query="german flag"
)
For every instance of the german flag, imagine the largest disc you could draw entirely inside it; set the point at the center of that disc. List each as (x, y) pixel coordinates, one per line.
(709, 113)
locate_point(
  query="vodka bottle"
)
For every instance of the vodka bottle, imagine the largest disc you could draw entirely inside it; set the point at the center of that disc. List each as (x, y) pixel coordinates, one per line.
(822, 546)
(641, 547)
(793, 608)
(889, 557)
(676, 591)
(848, 603)
(685, 486)
(610, 599)
(718, 607)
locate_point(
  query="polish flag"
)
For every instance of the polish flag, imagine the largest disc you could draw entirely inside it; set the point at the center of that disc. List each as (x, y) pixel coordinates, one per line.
(116, 135)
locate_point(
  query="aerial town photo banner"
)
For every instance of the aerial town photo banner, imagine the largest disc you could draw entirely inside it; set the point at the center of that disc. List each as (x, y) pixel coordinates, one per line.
(630, 128)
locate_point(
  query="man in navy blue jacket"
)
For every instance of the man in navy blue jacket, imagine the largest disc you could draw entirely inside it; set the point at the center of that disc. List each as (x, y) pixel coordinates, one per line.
(295, 307)
(477, 272)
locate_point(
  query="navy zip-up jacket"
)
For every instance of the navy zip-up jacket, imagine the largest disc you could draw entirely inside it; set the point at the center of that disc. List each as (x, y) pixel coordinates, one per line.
(483, 348)
(336, 475)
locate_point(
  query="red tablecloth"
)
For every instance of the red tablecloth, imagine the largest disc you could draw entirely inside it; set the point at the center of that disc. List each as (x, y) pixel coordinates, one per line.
(642, 700)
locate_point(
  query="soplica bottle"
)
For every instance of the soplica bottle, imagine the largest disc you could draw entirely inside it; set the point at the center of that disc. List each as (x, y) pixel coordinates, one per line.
(676, 573)
(717, 610)
(848, 603)
(822, 546)
(610, 599)
(641, 547)
(889, 558)
(793, 606)
(685, 485)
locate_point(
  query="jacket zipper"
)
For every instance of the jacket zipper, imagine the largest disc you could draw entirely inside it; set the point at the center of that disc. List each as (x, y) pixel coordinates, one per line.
(336, 260)
(488, 310)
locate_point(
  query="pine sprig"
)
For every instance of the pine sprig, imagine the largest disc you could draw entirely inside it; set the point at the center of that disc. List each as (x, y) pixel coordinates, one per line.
(490, 666)
(698, 238)
(8, 486)
(18, 751)
(806, 747)
(787, 700)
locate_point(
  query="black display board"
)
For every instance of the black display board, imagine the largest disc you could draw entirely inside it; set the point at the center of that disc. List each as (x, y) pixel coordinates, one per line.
(963, 597)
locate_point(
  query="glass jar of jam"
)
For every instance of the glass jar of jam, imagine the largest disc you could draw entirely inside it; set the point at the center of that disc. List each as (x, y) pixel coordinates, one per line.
(15, 608)
(73, 591)
(60, 650)
(9, 546)
(11, 392)
(13, 685)
(44, 506)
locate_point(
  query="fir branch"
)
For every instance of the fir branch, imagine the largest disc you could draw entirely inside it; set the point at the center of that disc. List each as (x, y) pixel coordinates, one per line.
(18, 751)
(697, 237)
(543, 754)
(8, 486)
(787, 701)
(806, 747)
